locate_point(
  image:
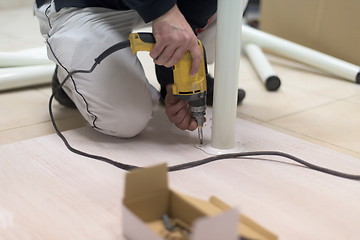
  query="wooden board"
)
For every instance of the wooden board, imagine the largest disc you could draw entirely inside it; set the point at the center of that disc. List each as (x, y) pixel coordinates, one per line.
(47, 192)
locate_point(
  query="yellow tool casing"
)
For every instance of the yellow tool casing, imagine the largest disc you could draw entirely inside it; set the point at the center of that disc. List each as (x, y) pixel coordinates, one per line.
(185, 86)
(141, 42)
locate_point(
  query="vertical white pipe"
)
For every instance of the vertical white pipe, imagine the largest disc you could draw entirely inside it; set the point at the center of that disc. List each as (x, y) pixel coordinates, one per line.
(227, 63)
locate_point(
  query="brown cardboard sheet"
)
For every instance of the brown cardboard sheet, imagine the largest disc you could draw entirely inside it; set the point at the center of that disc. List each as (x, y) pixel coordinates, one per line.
(329, 26)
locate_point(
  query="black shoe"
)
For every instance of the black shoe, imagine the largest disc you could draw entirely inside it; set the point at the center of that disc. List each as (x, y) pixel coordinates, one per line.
(60, 94)
(210, 91)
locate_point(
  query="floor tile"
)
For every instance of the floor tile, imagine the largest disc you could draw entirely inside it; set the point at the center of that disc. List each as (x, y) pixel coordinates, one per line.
(45, 90)
(354, 99)
(21, 30)
(336, 123)
(27, 107)
(300, 135)
(10, 4)
(40, 129)
(310, 79)
(263, 105)
(13, 44)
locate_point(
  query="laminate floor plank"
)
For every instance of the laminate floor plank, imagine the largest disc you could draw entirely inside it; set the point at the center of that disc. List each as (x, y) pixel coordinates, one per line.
(47, 192)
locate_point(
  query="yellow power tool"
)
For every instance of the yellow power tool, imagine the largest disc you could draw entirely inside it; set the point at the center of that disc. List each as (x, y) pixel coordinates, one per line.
(185, 87)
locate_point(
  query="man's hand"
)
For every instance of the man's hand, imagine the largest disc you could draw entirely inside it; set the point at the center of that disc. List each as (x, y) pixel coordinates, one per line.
(174, 37)
(178, 111)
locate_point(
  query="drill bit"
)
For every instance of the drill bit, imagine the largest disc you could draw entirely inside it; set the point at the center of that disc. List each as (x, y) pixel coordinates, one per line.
(200, 133)
(199, 118)
(198, 112)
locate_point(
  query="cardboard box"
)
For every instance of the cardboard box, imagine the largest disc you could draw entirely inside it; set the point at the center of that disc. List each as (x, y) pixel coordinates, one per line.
(329, 26)
(148, 201)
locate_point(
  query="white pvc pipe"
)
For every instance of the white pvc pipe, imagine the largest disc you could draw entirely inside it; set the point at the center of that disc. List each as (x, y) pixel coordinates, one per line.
(28, 57)
(262, 66)
(302, 54)
(17, 77)
(227, 63)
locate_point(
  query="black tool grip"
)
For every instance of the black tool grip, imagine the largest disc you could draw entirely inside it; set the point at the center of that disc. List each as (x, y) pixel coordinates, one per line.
(147, 37)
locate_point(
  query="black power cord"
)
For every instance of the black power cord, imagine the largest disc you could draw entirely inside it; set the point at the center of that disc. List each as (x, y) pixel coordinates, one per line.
(183, 166)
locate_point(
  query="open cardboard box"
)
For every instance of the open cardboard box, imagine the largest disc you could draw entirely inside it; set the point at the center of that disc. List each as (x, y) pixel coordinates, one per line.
(147, 198)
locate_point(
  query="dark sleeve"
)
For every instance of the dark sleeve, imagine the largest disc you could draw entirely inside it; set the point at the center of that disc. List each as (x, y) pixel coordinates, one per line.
(150, 9)
(197, 13)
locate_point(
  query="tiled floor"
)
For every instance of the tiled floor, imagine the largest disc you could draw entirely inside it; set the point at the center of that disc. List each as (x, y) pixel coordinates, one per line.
(311, 105)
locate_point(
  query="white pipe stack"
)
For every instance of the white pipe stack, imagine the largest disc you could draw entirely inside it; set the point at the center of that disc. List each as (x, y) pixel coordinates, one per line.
(302, 54)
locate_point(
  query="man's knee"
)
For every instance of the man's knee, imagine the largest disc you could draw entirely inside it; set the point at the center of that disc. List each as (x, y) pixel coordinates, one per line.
(124, 125)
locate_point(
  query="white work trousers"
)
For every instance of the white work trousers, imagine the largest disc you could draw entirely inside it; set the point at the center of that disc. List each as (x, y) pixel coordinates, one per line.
(116, 98)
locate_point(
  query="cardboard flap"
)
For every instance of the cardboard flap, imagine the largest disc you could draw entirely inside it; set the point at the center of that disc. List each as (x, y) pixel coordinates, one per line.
(222, 226)
(134, 228)
(145, 181)
(189, 209)
(247, 227)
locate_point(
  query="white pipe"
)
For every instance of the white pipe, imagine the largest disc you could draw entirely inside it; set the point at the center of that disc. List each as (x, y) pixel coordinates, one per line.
(227, 63)
(262, 66)
(17, 77)
(28, 57)
(302, 54)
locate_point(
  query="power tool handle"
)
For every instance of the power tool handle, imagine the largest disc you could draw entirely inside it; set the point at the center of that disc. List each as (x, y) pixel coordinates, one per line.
(147, 37)
(144, 37)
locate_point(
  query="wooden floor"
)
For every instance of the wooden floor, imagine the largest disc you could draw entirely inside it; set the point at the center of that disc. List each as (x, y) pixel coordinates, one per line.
(311, 106)
(50, 193)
